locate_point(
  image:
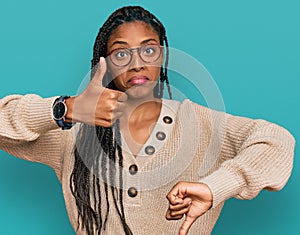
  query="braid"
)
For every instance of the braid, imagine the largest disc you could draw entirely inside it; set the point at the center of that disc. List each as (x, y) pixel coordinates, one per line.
(102, 151)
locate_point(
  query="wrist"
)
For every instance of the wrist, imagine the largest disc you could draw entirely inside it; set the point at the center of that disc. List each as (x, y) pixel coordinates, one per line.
(69, 104)
(59, 112)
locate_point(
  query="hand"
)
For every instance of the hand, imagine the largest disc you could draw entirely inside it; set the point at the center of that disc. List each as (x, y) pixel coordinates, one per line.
(189, 199)
(96, 105)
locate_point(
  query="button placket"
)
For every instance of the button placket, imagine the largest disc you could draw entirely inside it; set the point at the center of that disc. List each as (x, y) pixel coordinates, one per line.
(150, 150)
(132, 192)
(167, 119)
(160, 135)
(132, 184)
(132, 168)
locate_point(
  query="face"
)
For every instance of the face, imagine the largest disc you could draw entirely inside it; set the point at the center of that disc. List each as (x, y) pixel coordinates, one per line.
(138, 77)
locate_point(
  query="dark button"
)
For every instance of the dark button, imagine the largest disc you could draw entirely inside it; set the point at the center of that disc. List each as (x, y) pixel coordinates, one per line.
(150, 150)
(167, 119)
(160, 135)
(133, 169)
(132, 192)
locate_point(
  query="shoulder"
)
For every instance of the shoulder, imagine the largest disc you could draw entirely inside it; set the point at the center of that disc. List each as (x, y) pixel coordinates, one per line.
(198, 113)
(228, 124)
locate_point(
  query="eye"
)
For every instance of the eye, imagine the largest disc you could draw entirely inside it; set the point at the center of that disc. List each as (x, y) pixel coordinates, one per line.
(120, 54)
(150, 50)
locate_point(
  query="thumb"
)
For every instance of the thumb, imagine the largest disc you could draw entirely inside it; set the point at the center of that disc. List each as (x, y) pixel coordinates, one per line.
(101, 70)
(187, 223)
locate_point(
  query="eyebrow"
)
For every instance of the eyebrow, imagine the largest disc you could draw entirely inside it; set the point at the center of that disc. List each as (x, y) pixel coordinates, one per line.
(125, 43)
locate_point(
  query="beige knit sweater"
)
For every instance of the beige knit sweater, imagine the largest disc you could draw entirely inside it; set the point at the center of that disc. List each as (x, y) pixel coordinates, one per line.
(234, 156)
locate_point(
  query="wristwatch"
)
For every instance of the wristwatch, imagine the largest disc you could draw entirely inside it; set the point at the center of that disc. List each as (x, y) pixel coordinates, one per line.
(59, 111)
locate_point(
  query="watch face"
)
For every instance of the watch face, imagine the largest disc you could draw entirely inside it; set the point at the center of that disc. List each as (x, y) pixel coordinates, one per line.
(59, 110)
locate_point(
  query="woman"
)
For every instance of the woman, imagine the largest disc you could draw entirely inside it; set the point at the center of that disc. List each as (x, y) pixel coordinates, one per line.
(130, 148)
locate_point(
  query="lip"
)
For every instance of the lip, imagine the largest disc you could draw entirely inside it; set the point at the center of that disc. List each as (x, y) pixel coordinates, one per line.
(138, 80)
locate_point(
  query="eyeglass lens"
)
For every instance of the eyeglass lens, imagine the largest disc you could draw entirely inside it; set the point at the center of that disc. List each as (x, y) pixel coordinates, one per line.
(123, 56)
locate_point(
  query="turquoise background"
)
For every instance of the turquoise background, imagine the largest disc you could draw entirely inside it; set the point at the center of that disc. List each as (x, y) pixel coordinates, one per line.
(251, 48)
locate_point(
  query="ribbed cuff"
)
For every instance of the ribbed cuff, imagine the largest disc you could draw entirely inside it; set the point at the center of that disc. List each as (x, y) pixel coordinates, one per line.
(223, 184)
(38, 112)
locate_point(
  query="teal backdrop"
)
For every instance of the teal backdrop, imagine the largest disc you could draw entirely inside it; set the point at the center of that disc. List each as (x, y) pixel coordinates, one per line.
(251, 48)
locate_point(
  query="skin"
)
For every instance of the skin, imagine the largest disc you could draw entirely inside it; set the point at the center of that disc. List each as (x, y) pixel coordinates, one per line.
(189, 199)
(142, 109)
(138, 110)
(133, 35)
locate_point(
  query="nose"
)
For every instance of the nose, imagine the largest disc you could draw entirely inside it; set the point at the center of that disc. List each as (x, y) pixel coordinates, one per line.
(136, 61)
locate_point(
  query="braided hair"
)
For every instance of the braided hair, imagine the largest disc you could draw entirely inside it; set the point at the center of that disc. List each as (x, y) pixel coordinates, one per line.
(98, 152)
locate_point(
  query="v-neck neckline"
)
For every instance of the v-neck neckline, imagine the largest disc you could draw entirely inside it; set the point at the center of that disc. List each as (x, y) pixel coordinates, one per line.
(159, 133)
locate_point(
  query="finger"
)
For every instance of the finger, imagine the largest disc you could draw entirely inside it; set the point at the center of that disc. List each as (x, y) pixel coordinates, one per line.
(109, 117)
(170, 217)
(177, 207)
(180, 213)
(119, 106)
(174, 196)
(102, 123)
(122, 97)
(175, 200)
(101, 70)
(187, 223)
(108, 101)
(114, 95)
(117, 115)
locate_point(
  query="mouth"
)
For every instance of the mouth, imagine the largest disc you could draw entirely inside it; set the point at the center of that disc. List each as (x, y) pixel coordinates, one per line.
(138, 80)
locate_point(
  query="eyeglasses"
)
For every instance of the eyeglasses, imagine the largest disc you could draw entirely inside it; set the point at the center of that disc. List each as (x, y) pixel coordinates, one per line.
(148, 53)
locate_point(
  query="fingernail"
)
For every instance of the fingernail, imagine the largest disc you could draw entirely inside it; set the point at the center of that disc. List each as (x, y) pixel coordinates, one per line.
(102, 59)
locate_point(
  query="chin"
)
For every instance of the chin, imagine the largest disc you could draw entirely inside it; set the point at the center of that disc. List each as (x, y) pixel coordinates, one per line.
(141, 91)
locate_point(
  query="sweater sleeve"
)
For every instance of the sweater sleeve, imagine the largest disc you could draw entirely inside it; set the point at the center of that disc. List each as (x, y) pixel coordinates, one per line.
(28, 131)
(255, 155)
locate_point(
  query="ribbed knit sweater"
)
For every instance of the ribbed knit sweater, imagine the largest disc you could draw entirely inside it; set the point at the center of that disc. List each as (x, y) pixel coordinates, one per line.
(234, 156)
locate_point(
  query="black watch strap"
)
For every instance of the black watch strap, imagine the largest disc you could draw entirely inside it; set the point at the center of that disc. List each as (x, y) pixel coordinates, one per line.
(59, 110)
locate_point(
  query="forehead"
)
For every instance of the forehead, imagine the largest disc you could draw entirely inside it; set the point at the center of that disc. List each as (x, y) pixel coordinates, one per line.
(133, 33)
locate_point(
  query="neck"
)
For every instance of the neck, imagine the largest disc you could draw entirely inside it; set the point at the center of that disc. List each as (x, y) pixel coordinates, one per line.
(138, 120)
(141, 109)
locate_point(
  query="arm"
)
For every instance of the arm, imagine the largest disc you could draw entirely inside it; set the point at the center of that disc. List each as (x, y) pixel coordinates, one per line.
(28, 131)
(24, 118)
(256, 155)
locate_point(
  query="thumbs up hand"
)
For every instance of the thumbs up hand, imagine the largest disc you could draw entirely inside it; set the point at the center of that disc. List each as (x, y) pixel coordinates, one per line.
(189, 199)
(96, 105)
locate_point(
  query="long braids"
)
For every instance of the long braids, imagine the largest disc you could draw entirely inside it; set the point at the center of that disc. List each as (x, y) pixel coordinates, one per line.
(98, 151)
